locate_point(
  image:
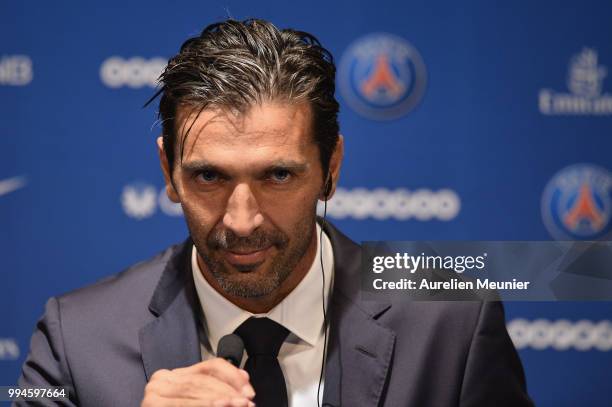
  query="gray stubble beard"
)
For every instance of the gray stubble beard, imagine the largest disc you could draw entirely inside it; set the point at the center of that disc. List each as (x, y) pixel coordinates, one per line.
(280, 268)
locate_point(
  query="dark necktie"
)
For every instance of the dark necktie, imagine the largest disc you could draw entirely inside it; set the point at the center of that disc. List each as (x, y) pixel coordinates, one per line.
(262, 339)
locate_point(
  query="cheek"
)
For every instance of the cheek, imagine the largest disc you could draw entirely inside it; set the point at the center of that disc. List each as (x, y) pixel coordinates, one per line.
(287, 212)
(202, 212)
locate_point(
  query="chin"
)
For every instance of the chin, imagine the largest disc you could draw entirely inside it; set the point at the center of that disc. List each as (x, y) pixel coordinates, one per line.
(248, 287)
(248, 281)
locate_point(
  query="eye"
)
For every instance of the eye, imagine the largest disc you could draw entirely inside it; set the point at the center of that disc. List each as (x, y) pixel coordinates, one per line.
(280, 175)
(208, 176)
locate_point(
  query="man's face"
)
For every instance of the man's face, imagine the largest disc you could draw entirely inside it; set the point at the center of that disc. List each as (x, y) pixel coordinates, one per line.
(248, 185)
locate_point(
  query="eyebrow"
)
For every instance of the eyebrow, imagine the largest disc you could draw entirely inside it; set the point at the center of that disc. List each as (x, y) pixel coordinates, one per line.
(204, 165)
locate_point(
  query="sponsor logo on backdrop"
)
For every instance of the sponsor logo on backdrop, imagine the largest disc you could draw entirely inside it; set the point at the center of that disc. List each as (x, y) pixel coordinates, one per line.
(577, 203)
(9, 349)
(561, 335)
(585, 78)
(399, 204)
(135, 72)
(9, 185)
(141, 200)
(382, 76)
(16, 70)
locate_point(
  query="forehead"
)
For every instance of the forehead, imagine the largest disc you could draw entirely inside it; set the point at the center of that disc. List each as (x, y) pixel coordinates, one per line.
(267, 129)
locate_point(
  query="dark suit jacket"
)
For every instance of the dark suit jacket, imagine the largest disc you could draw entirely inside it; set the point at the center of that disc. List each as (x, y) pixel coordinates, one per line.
(105, 341)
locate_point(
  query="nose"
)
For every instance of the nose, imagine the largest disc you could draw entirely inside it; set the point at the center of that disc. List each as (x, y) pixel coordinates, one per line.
(242, 215)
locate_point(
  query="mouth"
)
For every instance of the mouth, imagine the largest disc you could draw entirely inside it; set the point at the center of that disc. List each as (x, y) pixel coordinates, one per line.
(247, 259)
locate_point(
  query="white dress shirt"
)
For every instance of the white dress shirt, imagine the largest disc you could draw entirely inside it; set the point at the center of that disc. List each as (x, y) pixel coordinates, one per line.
(300, 312)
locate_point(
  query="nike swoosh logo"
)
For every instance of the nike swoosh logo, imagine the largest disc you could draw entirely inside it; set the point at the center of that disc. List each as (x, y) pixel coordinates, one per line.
(11, 184)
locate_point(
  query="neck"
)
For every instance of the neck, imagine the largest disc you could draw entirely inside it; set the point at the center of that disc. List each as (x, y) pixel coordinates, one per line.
(264, 304)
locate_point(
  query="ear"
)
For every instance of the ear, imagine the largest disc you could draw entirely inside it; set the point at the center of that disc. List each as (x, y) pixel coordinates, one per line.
(335, 163)
(165, 166)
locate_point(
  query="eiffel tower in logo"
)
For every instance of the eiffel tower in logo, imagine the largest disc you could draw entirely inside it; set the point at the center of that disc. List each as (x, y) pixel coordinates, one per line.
(584, 209)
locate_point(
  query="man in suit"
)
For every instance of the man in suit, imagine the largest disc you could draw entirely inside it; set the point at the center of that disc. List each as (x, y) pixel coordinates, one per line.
(250, 144)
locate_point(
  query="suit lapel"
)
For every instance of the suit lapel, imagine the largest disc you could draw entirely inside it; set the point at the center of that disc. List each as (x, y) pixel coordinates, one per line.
(360, 348)
(171, 340)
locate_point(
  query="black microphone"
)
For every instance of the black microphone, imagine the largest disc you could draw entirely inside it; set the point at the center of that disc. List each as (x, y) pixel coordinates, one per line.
(231, 348)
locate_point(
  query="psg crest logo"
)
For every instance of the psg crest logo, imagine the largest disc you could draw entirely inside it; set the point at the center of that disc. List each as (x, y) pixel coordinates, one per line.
(382, 76)
(577, 203)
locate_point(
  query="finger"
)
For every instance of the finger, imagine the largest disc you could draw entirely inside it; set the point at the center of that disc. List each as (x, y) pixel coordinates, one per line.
(246, 391)
(194, 386)
(177, 402)
(228, 373)
(240, 402)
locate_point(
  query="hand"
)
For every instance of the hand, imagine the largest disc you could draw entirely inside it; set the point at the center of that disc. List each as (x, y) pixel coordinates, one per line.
(212, 383)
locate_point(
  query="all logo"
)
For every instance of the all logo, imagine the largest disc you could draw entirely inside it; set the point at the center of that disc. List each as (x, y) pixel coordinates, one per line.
(16, 70)
(577, 203)
(382, 76)
(585, 78)
(9, 349)
(400, 204)
(561, 335)
(136, 72)
(140, 201)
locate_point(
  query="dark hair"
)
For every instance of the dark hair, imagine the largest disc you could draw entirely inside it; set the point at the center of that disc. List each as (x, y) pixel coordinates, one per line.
(235, 64)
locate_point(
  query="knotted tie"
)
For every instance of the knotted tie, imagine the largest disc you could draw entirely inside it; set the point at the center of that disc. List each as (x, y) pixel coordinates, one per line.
(262, 339)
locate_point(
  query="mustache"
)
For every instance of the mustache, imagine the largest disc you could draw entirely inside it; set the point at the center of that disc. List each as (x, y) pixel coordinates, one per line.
(260, 239)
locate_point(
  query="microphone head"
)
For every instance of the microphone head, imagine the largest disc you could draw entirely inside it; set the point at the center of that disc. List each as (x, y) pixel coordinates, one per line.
(231, 348)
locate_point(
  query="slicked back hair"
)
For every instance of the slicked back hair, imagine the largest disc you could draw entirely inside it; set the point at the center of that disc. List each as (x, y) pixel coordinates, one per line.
(234, 65)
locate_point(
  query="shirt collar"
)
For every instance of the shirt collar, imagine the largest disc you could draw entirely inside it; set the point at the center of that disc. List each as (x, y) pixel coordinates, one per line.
(301, 312)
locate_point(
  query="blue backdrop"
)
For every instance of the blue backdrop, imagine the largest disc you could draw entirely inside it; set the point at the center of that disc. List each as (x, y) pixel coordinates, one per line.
(462, 120)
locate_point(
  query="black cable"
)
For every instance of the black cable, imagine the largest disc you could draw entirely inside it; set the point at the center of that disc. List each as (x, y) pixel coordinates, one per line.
(323, 302)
